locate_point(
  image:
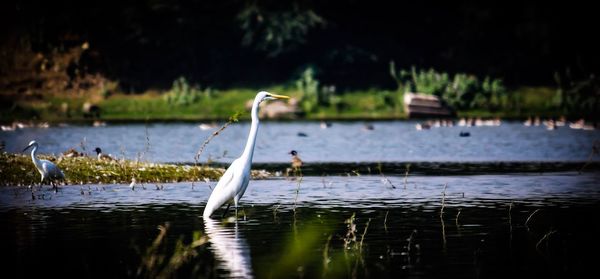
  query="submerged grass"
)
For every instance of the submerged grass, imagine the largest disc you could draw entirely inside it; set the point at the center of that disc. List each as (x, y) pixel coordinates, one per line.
(18, 170)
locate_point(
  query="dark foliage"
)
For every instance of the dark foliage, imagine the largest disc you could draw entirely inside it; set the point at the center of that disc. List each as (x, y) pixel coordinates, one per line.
(150, 43)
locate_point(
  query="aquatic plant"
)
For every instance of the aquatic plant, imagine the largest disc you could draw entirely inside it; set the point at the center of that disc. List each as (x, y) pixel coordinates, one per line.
(342, 256)
(159, 262)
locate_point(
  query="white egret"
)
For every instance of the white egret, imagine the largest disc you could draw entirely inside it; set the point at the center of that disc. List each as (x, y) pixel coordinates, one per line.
(233, 183)
(132, 184)
(47, 169)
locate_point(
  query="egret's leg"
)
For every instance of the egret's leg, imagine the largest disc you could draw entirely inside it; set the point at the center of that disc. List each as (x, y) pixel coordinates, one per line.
(236, 208)
(226, 209)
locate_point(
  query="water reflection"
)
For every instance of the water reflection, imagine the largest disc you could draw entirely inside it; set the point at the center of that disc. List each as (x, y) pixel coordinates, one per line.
(230, 248)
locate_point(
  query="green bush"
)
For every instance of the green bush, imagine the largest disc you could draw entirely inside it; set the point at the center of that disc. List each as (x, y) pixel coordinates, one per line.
(577, 94)
(309, 86)
(182, 94)
(462, 91)
(314, 95)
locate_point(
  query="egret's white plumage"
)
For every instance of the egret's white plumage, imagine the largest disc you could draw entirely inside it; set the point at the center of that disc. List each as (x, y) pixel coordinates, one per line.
(233, 183)
(48, 170)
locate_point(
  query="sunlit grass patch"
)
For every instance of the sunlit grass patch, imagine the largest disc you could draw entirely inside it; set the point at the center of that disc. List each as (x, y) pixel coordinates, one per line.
(18, 170)
(223, 105)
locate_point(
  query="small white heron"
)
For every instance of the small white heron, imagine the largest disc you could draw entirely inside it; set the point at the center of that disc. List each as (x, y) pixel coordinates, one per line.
(132, 184)
(47, 169)
(233, 183)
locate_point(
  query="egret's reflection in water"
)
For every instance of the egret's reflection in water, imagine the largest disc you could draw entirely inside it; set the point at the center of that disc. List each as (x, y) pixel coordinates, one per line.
(230, 248)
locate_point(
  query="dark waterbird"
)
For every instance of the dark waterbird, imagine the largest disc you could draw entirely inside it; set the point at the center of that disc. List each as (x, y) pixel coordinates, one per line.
(296, 161)
(102, 156)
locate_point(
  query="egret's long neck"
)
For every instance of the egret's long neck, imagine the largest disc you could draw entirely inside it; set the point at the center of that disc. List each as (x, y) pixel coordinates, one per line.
(249, 150)
(35, 160)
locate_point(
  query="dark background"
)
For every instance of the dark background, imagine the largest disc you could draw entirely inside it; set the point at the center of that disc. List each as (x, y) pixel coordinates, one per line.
(147, 44)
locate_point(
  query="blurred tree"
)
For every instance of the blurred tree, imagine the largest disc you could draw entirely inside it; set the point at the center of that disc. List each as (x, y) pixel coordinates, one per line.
(276, 30)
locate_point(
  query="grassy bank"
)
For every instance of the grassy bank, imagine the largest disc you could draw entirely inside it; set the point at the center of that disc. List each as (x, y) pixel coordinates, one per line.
(221, 104)
(17, 169)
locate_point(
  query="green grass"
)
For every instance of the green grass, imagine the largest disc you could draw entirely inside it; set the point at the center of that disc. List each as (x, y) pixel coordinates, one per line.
(371, 104)
(18, 170)
(221, 104)
(155, 107)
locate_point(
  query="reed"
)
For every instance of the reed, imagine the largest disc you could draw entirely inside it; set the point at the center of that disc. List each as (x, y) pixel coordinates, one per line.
(545, 238)
(362, 237)
(442, 217)
(234, 118)
(406, 176)
(443, 200)
(299, 177)
(531, 216)
(275, 211)
(385, 221)
(326, 257)
(384, 179)
(510, 227)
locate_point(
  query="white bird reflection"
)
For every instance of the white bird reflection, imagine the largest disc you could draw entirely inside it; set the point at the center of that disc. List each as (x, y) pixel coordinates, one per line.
(229, 247)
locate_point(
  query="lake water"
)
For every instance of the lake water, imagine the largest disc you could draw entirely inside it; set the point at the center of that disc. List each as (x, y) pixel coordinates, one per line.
(510, 225)
(391, 141)
(479, 213)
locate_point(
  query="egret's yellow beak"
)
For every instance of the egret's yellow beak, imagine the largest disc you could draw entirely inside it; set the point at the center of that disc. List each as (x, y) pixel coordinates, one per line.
(279, 96)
